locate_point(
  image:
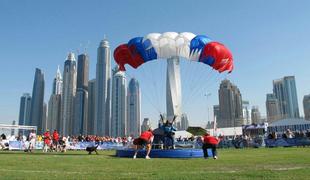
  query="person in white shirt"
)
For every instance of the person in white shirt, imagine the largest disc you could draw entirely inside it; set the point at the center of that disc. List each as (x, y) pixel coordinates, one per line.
(32, 140)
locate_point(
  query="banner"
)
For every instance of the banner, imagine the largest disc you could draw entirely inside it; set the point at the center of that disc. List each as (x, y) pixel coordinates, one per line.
(287, 142)
(22, 145)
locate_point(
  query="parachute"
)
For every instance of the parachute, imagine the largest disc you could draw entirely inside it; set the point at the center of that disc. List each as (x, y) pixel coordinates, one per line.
(199, 48)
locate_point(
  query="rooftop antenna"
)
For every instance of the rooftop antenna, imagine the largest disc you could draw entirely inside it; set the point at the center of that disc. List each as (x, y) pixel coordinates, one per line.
(86, 46)
(78, 49)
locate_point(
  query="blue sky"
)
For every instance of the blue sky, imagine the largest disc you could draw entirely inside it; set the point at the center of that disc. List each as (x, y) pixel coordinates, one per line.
(268, 39)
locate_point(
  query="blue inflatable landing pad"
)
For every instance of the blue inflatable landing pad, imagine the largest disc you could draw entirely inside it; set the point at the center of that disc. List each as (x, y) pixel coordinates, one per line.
(160, 153)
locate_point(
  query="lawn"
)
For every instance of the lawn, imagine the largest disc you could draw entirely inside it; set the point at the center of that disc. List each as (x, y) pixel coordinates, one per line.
(263, 163)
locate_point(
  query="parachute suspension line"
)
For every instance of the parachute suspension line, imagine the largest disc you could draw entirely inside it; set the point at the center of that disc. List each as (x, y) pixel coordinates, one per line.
(189, 84)
(207, 85)
(163, 75)
(202, 89)
(198, 86)
(149, 83)
(155, 89)
(146, 95)
(193, 76)
(202, 86)
(147, 80)
(156, 84)
(185, 75)
(210, 84)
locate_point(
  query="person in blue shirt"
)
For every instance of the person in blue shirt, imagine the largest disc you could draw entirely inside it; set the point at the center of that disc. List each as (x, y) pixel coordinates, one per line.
(168, 129)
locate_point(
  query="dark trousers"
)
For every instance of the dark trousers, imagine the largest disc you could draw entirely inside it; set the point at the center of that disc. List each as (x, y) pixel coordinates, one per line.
(205, 148)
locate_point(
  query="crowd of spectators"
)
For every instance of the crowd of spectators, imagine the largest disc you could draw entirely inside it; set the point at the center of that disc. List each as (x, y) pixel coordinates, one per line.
(288, 134)
(73, 139)
(100, 139)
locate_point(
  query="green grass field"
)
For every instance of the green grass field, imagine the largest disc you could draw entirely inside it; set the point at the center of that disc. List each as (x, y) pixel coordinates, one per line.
(264, 163)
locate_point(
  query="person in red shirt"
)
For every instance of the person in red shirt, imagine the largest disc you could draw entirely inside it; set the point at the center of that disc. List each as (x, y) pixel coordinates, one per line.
(209, 142)
(55, 139)
(47, 140)
(145, 139)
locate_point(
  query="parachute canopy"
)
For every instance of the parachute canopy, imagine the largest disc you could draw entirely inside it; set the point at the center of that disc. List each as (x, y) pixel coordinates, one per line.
(193, 47)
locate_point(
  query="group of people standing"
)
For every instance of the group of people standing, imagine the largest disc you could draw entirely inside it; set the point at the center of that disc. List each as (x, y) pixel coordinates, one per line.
(51, 142)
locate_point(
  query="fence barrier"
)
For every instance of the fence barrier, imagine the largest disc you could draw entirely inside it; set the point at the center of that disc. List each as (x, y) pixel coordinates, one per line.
(21, 145)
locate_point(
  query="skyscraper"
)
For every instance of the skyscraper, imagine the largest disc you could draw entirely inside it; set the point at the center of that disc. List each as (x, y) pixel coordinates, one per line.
(36, 112)
(216, 111)
(44, 117)
(103, 89)
(173, 89)
(184, 122)
(119, 109)
(81, 100)
(230, 105)
(246, 113)
(272, 108)
(68, 95)
(285, 91)
(306, 103)
(24, 109)
(13, 130)
(92, 123)
(54, 103)
(133, 108)
(255, 115)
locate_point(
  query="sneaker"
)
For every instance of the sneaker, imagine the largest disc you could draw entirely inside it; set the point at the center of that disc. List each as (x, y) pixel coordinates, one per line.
(206, 157)
(215, 157)
(134, 156)
(147, 157)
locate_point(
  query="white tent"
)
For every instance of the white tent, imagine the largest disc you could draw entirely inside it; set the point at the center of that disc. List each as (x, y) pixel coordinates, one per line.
(183, 134)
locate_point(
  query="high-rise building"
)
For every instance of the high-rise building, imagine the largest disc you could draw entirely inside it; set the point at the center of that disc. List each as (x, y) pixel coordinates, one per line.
(54, 103)
(230, 105)
(285, 91)
(13, 130)
(36, 112)
(57, 83)
(146, 124)
(246, 113)
(306, 103)
(255, 115)
(133, 108)
(173, 90)
(92, 123)
(216, 111)
(103, 89)
(81, 99)
(119, 109)
(272, 108)
(24, 109)
(68, 95)
(184, 122)
(44, 117)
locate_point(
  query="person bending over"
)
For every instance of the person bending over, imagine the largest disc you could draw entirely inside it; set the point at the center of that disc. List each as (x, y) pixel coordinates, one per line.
(145, 139)
(209, 142)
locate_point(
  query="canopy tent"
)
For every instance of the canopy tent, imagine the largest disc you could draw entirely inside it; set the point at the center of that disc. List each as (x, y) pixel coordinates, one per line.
(9, 129)
(183, 134)
(6, 126)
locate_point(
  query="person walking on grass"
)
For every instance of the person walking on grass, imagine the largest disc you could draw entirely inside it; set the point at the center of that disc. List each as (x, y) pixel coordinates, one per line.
(209, 142)
(145, 139)
(32, 141)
